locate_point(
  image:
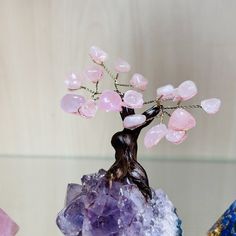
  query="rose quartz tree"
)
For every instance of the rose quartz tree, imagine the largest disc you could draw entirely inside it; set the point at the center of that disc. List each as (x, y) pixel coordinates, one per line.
(128, 104)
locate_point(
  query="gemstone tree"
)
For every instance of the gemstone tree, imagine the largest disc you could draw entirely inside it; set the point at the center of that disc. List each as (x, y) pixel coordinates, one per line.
(119, 201)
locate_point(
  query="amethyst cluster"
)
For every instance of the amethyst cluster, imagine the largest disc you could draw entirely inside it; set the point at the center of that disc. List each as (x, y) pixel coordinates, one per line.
(97, 208)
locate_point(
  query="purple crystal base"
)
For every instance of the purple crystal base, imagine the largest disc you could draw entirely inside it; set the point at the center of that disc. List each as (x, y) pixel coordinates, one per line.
(94, 208)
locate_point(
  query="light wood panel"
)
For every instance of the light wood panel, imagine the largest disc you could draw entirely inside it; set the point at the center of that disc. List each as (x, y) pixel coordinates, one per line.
(167, 41)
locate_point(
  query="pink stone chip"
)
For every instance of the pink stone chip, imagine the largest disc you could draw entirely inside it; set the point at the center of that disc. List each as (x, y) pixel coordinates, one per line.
(154, 135)
(72, 102)
(180, 119)
(139, 82)
(133, 99)
(187, 90)
(97, 54)
(73, 82)
(110, 101)
(122, 66)
(166, 92)
(7, 226)
(176, 96)
(175, 136)
(93, 73)
(211, 106)
(88, 109)
(134, 121)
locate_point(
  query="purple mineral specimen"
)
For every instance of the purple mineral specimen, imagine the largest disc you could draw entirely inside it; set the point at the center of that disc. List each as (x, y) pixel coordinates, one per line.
(97, 209)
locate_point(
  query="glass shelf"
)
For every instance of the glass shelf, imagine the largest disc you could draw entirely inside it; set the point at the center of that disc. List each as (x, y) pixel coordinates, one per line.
(207, 159)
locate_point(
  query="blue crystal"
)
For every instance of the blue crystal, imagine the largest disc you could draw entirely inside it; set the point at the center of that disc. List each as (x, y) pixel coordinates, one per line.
(227, 222)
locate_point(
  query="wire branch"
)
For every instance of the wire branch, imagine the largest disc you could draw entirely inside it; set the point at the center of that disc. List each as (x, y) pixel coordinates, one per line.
(184, 107)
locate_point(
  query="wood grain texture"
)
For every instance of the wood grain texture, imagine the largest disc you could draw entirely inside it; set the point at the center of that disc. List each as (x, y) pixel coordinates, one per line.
(167, 41)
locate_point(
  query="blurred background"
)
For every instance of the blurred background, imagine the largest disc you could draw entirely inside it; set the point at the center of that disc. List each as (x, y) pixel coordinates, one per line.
(168, 41)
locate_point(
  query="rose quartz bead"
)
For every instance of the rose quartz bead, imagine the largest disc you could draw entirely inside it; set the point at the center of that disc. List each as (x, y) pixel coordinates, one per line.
(7, 226)
(187, 90)
(139, 82)
(72, 102)
(73, 82)
(97, 54)
(175, 136)
(154, 135)
(134, 121)
(110, 101)
(88, 109)
(165, 92)
(176, 96)
(211, 106)
(180, 119)
(93, 73)
(122, 66)
(133, 99)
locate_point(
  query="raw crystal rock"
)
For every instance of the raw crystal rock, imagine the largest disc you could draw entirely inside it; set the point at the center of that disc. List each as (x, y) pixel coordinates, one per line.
(97, 209)
(7, 226)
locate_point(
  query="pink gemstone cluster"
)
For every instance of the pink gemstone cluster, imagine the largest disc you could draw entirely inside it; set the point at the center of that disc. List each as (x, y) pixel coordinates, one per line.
(112, 100)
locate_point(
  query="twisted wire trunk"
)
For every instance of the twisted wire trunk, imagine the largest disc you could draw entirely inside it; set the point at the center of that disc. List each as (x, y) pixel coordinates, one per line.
(125, 144)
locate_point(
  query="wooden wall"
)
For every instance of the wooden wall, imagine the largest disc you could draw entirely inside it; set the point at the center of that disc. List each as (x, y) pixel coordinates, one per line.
(168, 41)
